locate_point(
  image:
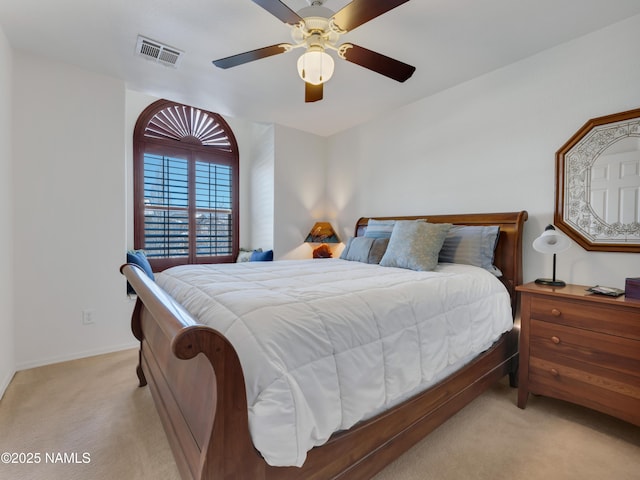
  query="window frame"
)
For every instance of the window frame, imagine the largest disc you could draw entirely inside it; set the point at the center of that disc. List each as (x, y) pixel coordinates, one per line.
(191, 148)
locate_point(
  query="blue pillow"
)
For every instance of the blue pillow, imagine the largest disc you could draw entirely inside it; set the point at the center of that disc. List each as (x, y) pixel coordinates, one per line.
(471, 245)
(365, 249)
(379, 228)
(257, 256)
(137, 257)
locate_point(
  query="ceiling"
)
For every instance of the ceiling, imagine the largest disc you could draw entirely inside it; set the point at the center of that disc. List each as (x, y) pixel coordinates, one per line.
(448, 41)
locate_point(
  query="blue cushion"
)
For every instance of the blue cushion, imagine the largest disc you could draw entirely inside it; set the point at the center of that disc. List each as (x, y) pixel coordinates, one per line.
(137, 257)
(471, 245)
(379, 228)
(365, 249)
(257, 256)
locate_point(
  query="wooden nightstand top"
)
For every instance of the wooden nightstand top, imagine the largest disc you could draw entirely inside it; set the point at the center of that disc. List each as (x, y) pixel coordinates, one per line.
(577, 292)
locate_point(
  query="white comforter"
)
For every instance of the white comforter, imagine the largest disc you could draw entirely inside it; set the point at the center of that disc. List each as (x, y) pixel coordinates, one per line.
(327, 343)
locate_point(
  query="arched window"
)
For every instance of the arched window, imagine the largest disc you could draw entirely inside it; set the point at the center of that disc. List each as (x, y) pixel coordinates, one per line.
(185, 163)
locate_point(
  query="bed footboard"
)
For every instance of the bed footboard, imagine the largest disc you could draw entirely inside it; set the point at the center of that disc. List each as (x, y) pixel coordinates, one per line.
(197, 384)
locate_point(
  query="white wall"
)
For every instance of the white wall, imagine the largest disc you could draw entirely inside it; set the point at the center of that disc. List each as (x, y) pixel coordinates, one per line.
(300, 181)
(258, 188)
(7, 352)
(69, 197)
(489, 145)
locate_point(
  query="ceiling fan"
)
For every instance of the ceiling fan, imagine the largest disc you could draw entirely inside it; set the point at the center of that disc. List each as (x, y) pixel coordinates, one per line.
(317, 29)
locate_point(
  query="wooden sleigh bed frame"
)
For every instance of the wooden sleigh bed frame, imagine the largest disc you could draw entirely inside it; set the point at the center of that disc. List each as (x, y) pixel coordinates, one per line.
(197, 384)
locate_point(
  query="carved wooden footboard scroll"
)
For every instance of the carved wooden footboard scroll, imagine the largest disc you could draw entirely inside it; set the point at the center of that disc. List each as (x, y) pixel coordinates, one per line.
(197, 383)
(186, 391)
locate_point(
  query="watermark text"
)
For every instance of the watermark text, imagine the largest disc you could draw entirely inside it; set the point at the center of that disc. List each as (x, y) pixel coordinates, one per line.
(45, 457)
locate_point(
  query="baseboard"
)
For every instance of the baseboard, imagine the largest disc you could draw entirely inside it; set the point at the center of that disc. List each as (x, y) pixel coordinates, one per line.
(5, 383)
(77, 355)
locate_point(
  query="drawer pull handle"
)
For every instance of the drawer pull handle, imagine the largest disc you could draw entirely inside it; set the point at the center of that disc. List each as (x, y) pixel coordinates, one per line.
(554, 372)
(555, 312)
(555, 340)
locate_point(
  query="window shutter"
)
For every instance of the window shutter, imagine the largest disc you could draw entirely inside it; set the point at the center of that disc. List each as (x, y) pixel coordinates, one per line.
(166, 207)
(185, 186)
(213, 209)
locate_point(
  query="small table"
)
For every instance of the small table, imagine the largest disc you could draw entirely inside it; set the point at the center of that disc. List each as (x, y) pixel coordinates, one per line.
(580, 347)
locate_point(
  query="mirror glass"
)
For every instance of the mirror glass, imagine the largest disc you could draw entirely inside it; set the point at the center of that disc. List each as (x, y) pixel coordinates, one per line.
(598, 184)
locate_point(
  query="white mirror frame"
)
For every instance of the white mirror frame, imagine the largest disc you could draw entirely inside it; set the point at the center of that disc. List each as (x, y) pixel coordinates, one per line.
(575, 213)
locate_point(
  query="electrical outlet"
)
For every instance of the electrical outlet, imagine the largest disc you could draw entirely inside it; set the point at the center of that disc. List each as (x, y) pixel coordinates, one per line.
(88, 317)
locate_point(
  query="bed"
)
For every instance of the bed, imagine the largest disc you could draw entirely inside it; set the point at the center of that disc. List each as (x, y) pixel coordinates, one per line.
(198, 382)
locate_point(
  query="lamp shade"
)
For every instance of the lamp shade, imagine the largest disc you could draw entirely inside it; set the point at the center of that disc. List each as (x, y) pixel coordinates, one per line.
(315, 66)
(322, 232)
(551, 241)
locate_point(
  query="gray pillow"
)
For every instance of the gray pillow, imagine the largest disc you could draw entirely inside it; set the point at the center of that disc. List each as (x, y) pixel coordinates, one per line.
(364, 249)
(415, 245)
(471, 245)
(377, 250)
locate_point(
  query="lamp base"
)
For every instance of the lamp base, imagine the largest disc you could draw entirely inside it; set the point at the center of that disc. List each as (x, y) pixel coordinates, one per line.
(550, 282)
(322, 252)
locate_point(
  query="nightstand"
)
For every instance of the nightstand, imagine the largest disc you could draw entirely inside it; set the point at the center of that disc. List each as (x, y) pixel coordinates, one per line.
(580, 347)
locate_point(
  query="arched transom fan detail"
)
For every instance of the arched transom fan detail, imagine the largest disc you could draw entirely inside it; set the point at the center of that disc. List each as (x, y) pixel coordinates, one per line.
(188, 124)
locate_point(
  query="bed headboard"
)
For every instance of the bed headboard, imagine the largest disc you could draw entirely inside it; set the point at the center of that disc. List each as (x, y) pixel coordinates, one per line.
(508, 255)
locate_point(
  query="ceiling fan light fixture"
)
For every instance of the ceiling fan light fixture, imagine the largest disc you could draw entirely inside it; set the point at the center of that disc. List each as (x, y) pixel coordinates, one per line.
(317, 29)
(315, 66)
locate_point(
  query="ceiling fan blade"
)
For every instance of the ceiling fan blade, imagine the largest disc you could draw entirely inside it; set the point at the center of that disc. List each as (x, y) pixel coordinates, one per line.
(377, 62)
(279, 10)
(250, 56)
(358, 12)
(312, 93)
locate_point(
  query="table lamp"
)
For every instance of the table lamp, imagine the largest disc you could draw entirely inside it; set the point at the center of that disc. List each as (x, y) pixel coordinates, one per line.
(551, 242)
(322, 232)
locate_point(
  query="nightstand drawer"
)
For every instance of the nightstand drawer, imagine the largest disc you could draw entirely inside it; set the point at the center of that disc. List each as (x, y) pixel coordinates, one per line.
(591, 352)
(591, 316)
(611, 395)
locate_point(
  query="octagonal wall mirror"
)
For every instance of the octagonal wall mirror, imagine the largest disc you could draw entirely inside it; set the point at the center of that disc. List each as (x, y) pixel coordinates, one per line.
(598, 184)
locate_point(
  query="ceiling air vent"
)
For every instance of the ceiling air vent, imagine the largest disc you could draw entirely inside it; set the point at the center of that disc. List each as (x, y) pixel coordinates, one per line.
(156, 51)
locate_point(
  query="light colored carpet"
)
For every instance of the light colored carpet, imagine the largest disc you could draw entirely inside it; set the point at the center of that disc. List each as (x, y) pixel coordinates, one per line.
(91, 410)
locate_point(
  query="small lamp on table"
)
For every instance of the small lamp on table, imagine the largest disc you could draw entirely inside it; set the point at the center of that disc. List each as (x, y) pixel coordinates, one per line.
(551, 242)
(322, 232)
